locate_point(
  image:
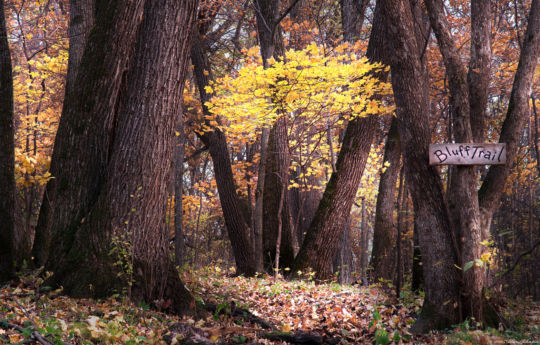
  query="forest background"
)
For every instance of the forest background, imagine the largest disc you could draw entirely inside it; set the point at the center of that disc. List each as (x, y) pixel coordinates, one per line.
(312, 109)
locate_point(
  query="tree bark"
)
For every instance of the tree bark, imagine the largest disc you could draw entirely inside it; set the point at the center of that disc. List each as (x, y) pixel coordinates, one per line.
(434, 228)
(277, 157)
(127, 203)
(7, 157)
(80, 23)
(321, 241)
(382, 255)
(352, 18)
(179, 152)
(216, 142)
(78, 177)
(471, 219)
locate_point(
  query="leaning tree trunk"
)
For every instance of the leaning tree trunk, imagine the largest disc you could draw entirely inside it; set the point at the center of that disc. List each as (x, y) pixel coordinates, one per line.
(384, 232)
(321, 241)
(7, 157)
(352, 19)
(434, 228)
(80, 23)
(126, 209)
(215, 140)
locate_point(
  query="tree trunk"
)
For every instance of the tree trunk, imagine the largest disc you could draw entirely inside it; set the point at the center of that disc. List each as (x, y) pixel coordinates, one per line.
(417, 283)
(352, 18)
(217, 144)
(80, 23)
(259, 190)
(277, 157)
(7, 157)
(179, 152)
(277, 211)
(321, 241)
(382, 255)
(468, 97)
(125, 211)
(81, 148)
(434, 229)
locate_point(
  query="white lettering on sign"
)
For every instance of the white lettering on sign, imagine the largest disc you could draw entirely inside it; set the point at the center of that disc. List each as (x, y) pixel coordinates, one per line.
(467, 154)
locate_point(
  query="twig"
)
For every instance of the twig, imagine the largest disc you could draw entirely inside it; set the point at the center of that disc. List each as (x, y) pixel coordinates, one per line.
(521, 256)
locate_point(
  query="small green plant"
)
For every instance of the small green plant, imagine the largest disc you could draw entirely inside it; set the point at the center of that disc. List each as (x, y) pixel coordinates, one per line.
(122, 253)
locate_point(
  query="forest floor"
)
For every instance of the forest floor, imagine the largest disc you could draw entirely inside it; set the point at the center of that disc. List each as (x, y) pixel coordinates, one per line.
(239, 310)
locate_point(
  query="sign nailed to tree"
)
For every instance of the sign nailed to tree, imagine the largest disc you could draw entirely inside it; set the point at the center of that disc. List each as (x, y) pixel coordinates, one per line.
(467, 154)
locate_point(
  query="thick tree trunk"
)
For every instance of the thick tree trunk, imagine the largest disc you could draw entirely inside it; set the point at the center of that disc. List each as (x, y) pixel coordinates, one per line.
(125, 212)
(81, 149)
(216, 142)
(80, 23)
(7, 157)
(382, 255)
(321, 241)
(434, 228)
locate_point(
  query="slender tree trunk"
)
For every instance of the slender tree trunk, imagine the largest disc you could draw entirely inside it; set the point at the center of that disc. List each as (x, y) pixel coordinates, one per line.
(216, 142)
(128, 202)
(434, 228)
(7, 157)
(80, 23)
(277, 157)
(364, 242)
(277, 219)
(382, 256)
(402, 199)
(417, 275)
(179, 152)
(259, 190)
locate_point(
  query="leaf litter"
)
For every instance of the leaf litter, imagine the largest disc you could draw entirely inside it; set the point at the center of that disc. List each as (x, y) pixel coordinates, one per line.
(242, 310)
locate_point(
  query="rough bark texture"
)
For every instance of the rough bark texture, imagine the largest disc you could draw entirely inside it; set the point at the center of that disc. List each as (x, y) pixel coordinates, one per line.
(277, 219)
(179, 152)
(80, 23)
(352, 18)
(384, 232)
(479, 66)
(434, 228)
(216, 142)
(7, 157)
(81, 149)
(125, 197)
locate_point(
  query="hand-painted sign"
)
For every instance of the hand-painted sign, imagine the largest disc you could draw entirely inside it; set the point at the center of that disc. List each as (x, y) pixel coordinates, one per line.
(467, 154)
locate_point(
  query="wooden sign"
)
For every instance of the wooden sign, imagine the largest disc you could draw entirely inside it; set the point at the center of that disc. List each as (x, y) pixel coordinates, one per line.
(467, 154)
